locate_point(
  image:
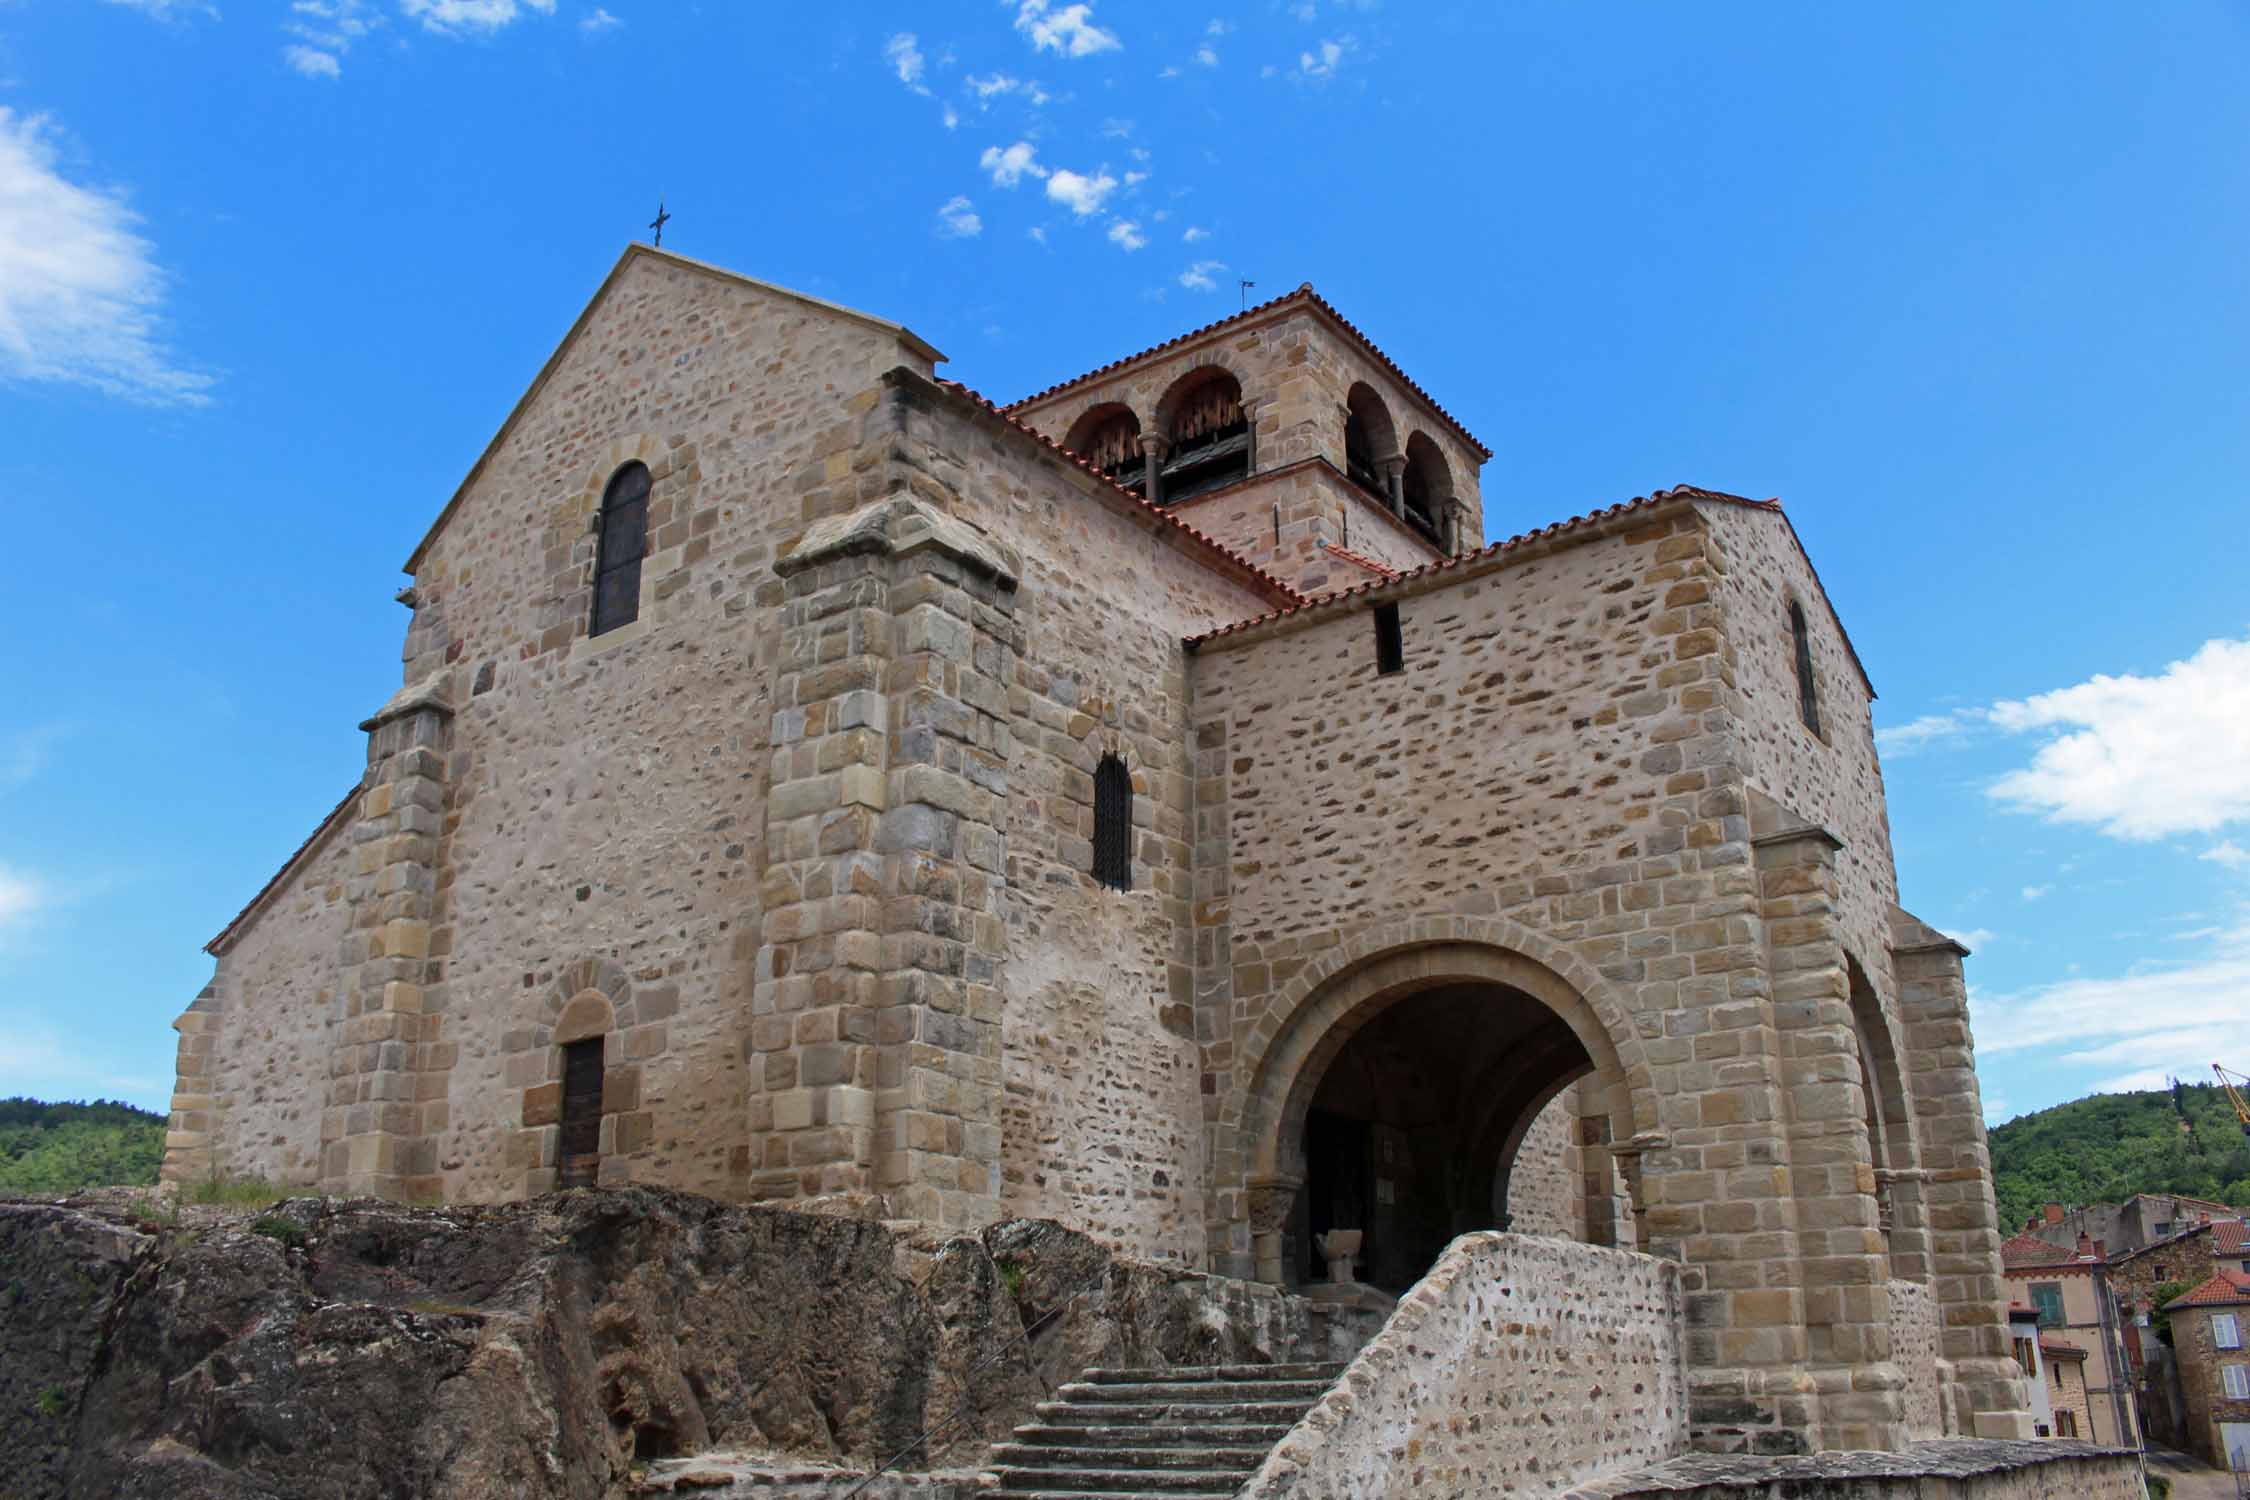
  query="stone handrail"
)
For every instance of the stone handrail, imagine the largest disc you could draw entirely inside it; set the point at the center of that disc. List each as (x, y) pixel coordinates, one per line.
(1518, 1365)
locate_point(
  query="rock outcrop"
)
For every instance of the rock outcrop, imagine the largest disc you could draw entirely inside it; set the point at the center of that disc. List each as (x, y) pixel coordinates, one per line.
(352, 1349)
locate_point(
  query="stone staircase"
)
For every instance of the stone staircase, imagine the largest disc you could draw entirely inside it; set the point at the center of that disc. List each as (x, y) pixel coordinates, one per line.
(1196, 1433)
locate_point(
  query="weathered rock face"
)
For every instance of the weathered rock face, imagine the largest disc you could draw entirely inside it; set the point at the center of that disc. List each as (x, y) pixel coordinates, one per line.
(350, 1349)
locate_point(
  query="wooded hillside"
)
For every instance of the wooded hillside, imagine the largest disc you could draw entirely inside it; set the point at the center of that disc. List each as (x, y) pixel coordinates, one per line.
(2107, 1147)
(54, 1148)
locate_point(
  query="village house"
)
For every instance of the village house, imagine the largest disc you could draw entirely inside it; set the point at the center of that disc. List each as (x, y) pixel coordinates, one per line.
(2077, 1309)
(2214, 1370)
(1150, 805)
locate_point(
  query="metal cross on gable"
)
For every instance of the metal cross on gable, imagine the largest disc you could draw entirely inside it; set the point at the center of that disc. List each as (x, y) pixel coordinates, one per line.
(662, 218)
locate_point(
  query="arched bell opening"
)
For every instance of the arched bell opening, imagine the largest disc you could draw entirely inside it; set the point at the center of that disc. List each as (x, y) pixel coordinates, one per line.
(1207, 439)
(1109, 438)
(1426, 488)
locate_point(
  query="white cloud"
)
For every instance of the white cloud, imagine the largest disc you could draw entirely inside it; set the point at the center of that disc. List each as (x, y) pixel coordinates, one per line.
(2227, 852)
(1135, 179)
(1973, 938)
(1195, 232)
(2034, 892)
(1038, 233)
(325, 31)
(1304, 11)
(20, 897)
(311, 61)
(1070, 31)
(1117, 129)
(1169, 72)
(2140, 757)
(951, 117)
(599, 22)
(450, 17)
(1207, 56)
(1009, 166)
(24, 753)
(1900, 740)
(1218, 28)
(1324, 62)
(1126, 234)
(1081, 195)
(80, 291)
(2154, 1019)
(905, 58)
(1198, 278)
(989, 88)
(1995, 1110)
(170, 10)
(957, 219)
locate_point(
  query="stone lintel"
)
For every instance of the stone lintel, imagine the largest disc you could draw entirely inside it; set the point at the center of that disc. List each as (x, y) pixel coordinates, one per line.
(897, 527)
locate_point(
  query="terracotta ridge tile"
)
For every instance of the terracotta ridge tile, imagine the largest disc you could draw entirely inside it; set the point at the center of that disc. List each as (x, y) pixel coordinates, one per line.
(1492, 549)
(1369, 563)
(1305, 292)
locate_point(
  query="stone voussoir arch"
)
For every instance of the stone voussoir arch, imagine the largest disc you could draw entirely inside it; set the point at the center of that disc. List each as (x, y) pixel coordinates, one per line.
(1412, 954)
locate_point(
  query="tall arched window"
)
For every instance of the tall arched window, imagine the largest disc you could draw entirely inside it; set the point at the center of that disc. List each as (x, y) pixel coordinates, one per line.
(1113, 824)
(617, 557)
(1808, 694)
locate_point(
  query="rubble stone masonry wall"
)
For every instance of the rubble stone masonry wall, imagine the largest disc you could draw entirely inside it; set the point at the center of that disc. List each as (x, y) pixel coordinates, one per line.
(1101, 1117)
(276, 1007)
(1519, 1365)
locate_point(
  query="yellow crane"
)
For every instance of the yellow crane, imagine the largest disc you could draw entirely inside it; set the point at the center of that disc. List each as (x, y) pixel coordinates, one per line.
(2228, 1081)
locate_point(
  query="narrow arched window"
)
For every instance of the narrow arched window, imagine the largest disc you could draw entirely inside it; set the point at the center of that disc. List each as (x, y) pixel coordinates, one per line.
(617, 557)
(1113, 824)
(1808, 695)
(579, 1155)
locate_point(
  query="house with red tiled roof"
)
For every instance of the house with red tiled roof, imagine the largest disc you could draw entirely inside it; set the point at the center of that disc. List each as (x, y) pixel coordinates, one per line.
(2207, 1324)
(2077, 1307)
(1184, 804)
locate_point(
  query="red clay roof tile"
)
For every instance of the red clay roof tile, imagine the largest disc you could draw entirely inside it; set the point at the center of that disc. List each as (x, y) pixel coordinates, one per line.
(2224, 1287)
(1384, 570)
(1209, 542)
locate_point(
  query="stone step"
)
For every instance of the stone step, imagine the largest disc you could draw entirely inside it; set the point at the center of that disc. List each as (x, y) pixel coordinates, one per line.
(1134, 1494)
(1139, 1453)
(1144, 1482)
(1261, 1436)
(1228, 1413)
(1204, 1393)
(1326, 1374)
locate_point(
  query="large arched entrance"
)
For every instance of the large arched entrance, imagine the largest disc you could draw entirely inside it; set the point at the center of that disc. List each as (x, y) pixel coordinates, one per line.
(1400, 1099)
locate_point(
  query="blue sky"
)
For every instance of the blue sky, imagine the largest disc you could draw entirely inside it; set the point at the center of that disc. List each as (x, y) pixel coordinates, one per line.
(1963, 285)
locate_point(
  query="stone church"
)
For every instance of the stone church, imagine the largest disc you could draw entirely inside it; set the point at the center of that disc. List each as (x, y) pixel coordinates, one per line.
(1149, 805)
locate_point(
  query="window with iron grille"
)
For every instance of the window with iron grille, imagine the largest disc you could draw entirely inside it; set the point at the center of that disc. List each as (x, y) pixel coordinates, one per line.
(1113, 824)
(617, 556)
(580, 1154)
(1808, 695)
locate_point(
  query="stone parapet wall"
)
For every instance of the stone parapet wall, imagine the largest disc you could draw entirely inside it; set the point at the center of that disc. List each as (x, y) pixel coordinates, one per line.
(1956, 1469)
(1518, 1364)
